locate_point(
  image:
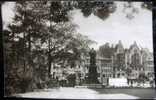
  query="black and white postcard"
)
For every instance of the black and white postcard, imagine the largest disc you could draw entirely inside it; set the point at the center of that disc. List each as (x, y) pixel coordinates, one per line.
(78, 49)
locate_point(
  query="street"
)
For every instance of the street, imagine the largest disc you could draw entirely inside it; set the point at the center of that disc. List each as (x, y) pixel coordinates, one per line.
(85, 93)
(138, 92)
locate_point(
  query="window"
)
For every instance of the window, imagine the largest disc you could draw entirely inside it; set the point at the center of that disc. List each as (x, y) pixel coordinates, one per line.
(118, 75)
(103, 75)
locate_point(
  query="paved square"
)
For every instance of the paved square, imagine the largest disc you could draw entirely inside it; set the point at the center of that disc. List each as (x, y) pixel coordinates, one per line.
(85, 93)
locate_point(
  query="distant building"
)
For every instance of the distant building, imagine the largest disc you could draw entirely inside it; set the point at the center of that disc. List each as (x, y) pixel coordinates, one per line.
(149, 66)
(104, 68)
(124, 63)
(119, 61)
(137, 60)
(106, 72)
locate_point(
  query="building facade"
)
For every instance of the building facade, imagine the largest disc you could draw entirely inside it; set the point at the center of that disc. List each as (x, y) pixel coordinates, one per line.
(127, 63)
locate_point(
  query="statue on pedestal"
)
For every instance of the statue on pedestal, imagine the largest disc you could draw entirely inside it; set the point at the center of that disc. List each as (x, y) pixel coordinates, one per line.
(92, 75)
(92, 54)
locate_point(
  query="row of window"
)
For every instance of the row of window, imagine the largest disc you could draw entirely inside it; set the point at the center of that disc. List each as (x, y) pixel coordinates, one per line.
(107, 75)
(107, 70)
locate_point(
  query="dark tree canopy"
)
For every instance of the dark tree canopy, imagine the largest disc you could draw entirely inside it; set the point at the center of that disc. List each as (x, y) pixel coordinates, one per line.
(147, 5)
(40, 34)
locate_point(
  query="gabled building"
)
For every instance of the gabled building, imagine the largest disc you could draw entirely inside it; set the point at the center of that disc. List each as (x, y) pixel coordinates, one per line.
(119, 61)
(123, 62)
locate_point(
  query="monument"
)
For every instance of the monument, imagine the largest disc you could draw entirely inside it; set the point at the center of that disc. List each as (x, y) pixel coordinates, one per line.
(93, 75)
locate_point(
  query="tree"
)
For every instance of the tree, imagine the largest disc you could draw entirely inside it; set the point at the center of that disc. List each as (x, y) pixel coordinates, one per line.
(100, 9)
(142, 78)
(42, 34)
(28, 29)
(71, 80)
(147, 5)
(103, 9)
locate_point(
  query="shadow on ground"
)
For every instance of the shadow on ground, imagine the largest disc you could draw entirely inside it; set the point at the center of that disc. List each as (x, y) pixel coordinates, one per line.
(144, 93)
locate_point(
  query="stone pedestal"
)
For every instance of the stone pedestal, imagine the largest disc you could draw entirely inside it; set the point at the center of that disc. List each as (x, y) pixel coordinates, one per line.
(93, 76)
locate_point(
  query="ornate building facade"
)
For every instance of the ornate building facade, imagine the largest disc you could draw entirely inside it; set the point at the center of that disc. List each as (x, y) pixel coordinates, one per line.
(127, 63)
(132, 62)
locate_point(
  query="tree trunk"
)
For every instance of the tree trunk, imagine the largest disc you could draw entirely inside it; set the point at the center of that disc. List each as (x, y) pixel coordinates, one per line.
(24, 64)
(49, 47)
(49, 59)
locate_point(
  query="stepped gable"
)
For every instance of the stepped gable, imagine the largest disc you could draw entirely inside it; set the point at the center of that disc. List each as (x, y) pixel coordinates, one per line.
(134, 46)
(119, 47)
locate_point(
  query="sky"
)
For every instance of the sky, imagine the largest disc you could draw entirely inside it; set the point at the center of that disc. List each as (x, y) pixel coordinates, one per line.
(116, 27)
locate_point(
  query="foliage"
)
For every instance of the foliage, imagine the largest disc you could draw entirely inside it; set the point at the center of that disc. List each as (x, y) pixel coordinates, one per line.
(99, 9)
(39, 35)
(42, 33)
(71, 80)
(147, 5)
(142, 78)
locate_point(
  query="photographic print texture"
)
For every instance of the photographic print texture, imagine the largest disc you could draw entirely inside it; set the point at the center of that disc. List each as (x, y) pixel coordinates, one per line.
(78, 49)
